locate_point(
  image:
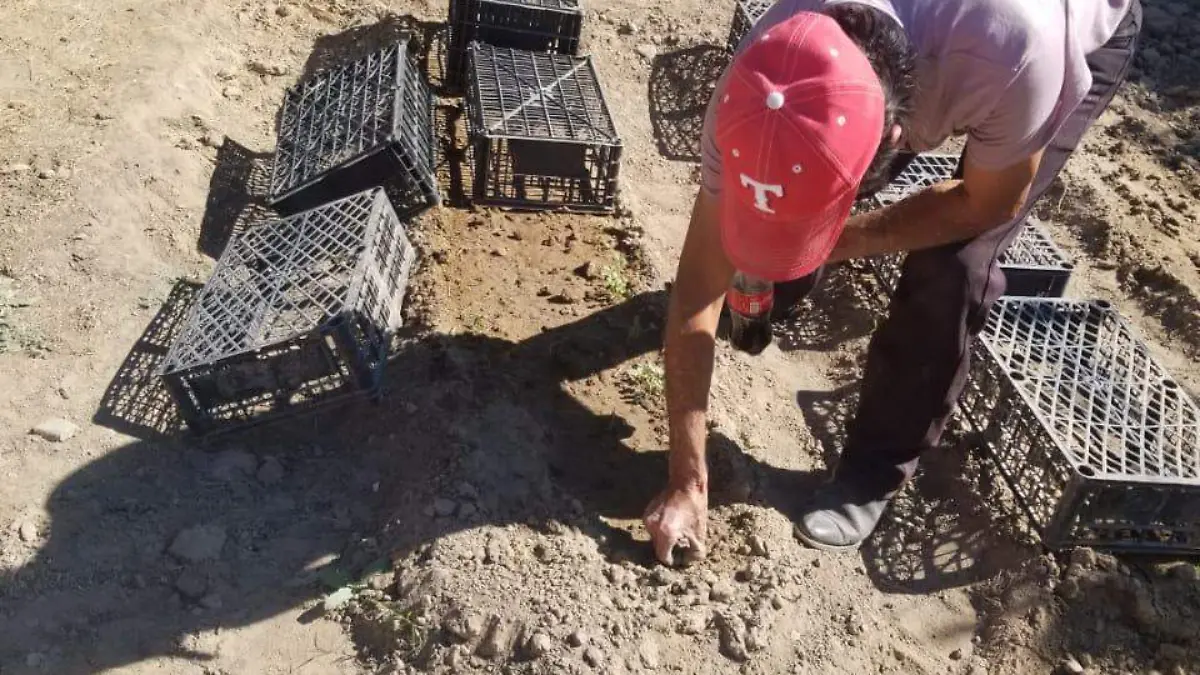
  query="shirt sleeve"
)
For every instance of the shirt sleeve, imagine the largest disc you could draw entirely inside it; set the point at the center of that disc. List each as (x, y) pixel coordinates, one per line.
(1021, 120)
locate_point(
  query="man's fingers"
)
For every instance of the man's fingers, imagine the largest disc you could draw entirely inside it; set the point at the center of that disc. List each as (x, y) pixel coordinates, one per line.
(664, 545)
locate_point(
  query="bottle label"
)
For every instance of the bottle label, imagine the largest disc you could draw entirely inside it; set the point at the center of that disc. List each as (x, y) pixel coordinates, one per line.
(752, 304)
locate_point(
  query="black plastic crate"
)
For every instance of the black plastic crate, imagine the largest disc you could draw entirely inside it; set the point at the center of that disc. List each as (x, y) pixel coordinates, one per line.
(298, 313)
(1033, 265)
(924, 170)
(541, 133)
(745, 14)
(531, 25)
(1099, 445)
(361, 125)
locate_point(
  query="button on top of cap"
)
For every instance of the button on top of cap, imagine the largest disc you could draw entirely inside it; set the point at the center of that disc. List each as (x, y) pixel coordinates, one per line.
(775, 100)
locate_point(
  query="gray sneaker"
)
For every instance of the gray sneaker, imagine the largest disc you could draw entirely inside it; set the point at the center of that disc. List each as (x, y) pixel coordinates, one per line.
(840, 517)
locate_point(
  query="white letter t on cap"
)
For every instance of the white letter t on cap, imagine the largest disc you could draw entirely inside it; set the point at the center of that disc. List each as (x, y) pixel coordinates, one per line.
(761, 190)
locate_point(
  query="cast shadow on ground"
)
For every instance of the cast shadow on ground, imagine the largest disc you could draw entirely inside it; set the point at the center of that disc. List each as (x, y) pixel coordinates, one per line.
(236, 196)
(105, 590)
(839, 308)
(945, 528)
(681, 82)
(136, 403)
(428, 46)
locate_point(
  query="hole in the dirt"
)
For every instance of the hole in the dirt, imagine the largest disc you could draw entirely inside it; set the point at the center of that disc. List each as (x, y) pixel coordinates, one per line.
(1102, 304)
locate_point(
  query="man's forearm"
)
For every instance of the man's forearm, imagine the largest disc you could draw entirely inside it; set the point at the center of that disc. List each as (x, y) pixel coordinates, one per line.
(689, 349)
(938, 215)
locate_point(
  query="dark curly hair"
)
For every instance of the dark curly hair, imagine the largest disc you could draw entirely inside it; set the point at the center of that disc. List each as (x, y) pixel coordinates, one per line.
(885, 44)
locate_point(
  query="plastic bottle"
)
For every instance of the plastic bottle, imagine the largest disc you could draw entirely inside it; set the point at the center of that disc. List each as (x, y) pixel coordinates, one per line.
(750, 299)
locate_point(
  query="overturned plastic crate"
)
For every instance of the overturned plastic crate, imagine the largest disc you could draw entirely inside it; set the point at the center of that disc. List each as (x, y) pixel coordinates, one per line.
(1033, 265)
(531, 25)
(541, 133)
(745, 14)
(364, 124)
(298, 313)
(1099, 445)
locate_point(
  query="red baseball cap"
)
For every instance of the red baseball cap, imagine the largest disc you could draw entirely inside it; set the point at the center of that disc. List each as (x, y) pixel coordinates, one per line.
(798, 122)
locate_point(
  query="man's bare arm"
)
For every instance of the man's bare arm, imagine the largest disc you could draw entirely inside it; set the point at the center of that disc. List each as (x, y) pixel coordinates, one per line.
(950, 211)
(690, 341)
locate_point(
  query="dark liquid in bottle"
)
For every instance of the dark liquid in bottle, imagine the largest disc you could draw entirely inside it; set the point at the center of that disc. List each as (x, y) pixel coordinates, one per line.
(750, 335)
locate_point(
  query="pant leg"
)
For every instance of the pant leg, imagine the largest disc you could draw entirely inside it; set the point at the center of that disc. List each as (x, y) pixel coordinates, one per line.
(919, 358)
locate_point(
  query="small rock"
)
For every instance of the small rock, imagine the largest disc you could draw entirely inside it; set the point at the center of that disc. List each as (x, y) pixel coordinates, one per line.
(577, 638)
(593, 656)
(271, 471)
(283, 11)
(647, 52)
(758, 546)
(776, 601)
(660, 577)
(380, 582)
(495, 642)
(722, 591)
(232, 93)
(212, 140)
(273, 69)
(956, 655)
(231, 465)
(337, 599)
(462, 628)
(732, 636)
(46, 174)
(692, 624)
(1070, 666)
(1186, 571)
(467, 510)
(495, 552)
(56, 430)
(748, 573)
(589, 270)
(444, 507)
(8, 169)
(648, 652)
(192, 584)
(629, 28)
(198, 544)
(565, 297)
(28, 532)
(1084, 557)
(539, 645)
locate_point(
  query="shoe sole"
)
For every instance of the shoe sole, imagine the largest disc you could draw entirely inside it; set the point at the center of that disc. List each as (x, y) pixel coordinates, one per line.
(832, 548)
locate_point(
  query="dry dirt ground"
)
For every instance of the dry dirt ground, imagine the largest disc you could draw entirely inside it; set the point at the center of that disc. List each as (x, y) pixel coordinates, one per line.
(485, 516)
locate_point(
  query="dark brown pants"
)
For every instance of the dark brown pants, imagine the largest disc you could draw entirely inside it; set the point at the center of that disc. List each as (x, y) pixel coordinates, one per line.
(919, 358)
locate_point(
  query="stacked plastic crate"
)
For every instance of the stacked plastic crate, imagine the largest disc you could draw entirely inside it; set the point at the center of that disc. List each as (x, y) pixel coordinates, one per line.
(300, 311)
(540, 132)
(1098, 444)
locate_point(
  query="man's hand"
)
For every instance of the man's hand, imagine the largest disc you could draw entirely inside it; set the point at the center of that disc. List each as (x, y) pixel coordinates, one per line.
(679, 515)
(677, 520)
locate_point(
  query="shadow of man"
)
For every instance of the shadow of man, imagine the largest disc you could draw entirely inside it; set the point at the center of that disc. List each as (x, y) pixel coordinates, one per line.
(164, 539)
